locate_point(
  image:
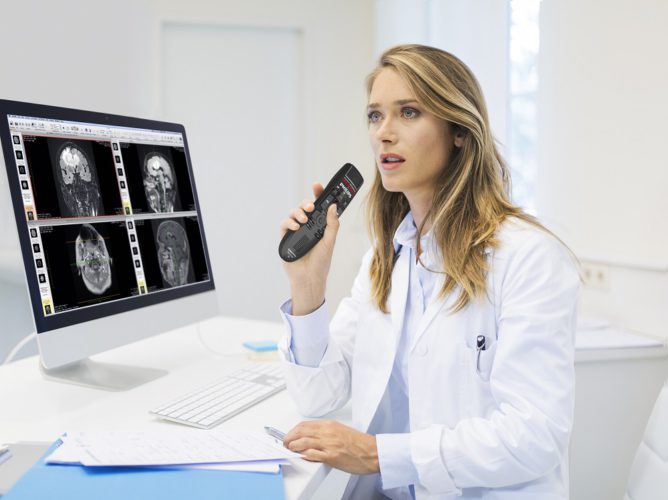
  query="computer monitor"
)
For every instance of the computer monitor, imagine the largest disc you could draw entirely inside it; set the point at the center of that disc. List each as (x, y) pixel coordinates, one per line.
(111, 232)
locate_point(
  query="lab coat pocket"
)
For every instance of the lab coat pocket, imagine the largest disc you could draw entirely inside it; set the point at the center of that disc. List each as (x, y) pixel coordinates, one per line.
(481, 351)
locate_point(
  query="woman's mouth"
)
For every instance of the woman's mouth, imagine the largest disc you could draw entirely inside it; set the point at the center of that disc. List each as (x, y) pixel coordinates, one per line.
(390, 161)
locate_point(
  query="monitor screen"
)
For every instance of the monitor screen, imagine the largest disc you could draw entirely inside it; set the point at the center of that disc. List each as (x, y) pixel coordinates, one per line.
(106, 210)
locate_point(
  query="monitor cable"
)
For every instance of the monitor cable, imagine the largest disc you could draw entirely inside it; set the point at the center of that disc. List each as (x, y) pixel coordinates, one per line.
(21, 344)
(211, 349)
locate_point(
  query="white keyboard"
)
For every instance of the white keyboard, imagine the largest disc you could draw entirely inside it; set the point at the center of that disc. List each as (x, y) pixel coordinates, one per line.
(210, 405)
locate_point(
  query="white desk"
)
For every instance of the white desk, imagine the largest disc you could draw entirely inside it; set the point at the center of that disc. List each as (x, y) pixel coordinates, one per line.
(35, 409)
(616, 389)
(618, 377)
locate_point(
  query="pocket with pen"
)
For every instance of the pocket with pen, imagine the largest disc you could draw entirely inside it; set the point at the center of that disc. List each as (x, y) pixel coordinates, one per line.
(482, 356)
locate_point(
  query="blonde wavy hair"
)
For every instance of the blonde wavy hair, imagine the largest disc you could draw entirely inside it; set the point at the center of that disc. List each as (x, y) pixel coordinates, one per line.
(471, 196)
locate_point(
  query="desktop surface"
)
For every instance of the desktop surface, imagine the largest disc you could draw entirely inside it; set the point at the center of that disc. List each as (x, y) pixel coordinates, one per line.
(35, 409)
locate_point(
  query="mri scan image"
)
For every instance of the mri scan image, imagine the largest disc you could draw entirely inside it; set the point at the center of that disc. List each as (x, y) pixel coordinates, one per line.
(159, 182)
(93, 260)
(78, 182)
(173, 253)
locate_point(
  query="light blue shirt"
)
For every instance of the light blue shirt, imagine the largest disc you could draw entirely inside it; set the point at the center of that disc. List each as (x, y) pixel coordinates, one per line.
(391, 423)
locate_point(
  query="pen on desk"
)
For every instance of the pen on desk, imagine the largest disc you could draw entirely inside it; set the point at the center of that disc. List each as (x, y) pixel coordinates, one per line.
(5, 454)
(275, 433)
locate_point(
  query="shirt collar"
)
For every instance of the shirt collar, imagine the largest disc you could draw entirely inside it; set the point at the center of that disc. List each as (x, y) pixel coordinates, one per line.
(405, 235)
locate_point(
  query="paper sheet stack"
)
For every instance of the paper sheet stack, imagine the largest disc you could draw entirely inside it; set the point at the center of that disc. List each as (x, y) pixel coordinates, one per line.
(218, 450)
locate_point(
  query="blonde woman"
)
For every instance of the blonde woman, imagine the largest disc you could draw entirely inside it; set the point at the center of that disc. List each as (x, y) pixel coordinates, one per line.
(456, 344)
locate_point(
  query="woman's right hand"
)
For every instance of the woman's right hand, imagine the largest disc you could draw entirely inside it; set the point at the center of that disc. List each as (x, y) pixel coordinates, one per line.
(308, 275)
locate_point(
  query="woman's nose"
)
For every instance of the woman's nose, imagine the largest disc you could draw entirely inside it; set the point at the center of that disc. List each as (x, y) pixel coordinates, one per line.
(387, 132)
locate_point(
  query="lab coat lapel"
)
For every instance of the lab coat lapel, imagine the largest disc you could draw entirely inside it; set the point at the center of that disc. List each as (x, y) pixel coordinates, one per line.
(399, 294)
(433, 309)
(436, 304)
(375, 381)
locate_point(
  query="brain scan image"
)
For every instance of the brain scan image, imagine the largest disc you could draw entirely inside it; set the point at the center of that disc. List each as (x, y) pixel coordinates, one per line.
(93, 260)
(159, 183)
(173, 253)
(78, 182)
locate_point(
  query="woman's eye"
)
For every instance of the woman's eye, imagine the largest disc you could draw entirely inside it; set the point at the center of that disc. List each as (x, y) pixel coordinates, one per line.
(373, 116)
(410, 113)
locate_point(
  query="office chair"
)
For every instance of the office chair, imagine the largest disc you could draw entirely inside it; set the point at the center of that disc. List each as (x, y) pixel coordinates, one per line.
(648, 479)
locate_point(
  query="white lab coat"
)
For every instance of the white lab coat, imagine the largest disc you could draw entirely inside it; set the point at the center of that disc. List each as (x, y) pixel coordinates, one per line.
(494, 428)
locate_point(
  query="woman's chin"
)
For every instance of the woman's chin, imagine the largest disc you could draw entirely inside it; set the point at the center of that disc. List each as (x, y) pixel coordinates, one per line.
(389, 185)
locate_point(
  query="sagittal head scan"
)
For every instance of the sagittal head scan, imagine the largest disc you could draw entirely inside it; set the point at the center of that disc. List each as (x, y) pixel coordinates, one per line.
(159, 183)
(93, 260)
(78, 182)
(173, 253)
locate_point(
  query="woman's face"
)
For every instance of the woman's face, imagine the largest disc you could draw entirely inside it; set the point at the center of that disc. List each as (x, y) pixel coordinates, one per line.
(411, 146)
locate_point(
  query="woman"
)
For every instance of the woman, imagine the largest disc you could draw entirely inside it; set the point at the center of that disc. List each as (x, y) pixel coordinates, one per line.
(456, 344)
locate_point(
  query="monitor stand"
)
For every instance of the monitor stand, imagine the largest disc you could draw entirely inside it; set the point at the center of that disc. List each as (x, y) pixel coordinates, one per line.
(101, 375)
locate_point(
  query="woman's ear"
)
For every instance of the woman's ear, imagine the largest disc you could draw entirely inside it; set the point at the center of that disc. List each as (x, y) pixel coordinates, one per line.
(459, 134)
(459, 139)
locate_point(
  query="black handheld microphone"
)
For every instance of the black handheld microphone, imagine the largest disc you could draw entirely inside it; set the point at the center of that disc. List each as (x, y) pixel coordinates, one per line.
(340, 190)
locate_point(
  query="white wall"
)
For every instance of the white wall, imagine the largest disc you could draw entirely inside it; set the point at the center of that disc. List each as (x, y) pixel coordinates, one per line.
(248, 162)
(110, 58)
(603, 168)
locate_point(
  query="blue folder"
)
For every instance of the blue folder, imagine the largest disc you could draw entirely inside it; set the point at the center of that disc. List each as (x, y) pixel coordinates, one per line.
(73, 482)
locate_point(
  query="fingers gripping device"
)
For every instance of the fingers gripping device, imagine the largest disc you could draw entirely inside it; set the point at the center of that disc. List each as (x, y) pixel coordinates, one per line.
(341, 189)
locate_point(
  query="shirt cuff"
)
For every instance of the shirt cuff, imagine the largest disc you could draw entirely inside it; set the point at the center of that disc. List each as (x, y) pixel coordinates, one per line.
(307, 335)
(394, 460)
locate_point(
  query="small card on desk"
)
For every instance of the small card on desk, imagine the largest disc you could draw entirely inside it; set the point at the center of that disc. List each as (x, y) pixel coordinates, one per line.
(261, 345)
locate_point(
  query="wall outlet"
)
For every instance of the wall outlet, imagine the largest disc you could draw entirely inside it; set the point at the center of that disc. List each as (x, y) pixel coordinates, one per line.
(596, 275)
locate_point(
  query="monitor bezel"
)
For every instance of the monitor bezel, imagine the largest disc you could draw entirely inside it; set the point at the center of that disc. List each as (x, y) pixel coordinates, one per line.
(76, 316)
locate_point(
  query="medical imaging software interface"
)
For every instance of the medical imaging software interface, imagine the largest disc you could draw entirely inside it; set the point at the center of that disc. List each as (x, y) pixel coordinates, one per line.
(110, 211)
